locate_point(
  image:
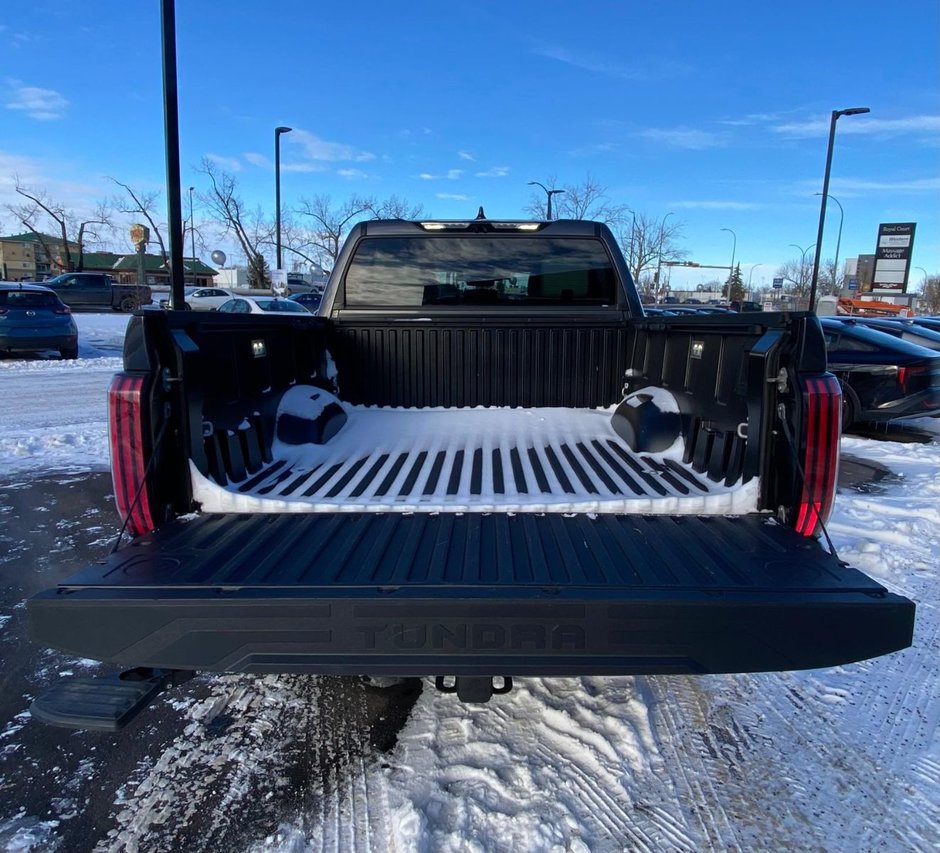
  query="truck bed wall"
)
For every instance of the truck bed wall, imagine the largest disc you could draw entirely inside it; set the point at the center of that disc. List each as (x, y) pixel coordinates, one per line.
(231, 390)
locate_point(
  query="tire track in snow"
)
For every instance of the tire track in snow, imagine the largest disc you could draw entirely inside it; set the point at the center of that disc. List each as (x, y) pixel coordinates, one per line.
(193, 794)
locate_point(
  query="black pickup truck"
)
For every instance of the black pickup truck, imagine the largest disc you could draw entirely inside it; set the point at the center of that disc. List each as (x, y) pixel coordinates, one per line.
(93, 290)
(479, 460)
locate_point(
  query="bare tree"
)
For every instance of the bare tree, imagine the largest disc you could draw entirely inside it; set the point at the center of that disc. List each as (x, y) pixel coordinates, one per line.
(798, 273)
(930, 295)
(330, 225)
(395, 208)
(647, 244)
(250, 228)
(73, 228)
(586, 200)
(144, 204)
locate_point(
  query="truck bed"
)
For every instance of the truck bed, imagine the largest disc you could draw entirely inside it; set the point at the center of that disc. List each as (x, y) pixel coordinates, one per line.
(477, 460)
(472, 594)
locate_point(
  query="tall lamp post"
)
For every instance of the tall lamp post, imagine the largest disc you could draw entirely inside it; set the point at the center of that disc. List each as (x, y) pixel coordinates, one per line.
(548, 193)
(734, 249)
(659, 262)
(192, 233)
(277, 188)
(835, 268)
(836, 115)
(750, 275)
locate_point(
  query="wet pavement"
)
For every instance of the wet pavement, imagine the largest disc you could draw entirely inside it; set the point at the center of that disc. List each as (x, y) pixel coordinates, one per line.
(72, 790)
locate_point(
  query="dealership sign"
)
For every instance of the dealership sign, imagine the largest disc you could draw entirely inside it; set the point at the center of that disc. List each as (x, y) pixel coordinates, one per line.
(893, 257)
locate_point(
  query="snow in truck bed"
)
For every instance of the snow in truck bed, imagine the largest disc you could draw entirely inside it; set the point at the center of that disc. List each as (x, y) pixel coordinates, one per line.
(470, 460)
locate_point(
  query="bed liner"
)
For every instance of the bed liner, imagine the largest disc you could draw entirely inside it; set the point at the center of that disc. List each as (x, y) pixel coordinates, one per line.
(475, 460)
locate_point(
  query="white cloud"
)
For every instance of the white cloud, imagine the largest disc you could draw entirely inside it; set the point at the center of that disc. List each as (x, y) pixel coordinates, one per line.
(351, 173)
(454, 174)
(233, 164)
(591, 62)
(683, 137)
(861, 125)
(848, 185)
(466, 155)
(427, 176)
(715, 204)
(315, 148)
(453, 196)
(302, 167)
(495, 172)
(37, 103)
(257, 159)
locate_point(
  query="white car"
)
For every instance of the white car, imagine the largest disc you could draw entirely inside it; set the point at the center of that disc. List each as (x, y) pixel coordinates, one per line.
(202, 298)
(207, 298)
(261, 305)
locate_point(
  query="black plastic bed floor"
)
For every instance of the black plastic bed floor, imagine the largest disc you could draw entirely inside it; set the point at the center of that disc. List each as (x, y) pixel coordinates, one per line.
(480, 550)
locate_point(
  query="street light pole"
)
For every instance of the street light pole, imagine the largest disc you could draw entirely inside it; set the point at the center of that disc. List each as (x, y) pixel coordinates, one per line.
(192, 233)
(750, 275)
(836, 114)
(659, 262)
(548, 193)
(734, 249)
(277, 188)
(835, 270)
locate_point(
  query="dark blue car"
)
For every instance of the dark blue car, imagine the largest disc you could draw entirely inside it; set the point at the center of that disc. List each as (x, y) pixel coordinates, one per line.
(310, 301)
(33, 318)
(882, 377)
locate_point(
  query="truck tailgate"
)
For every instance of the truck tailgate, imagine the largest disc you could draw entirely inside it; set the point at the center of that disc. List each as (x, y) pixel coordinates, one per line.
(473, 594)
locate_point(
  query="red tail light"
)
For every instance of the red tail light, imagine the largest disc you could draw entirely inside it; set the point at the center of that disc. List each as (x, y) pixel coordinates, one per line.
(4, 311)
(128, 461)
(62, 309)
(822, 414)
(905, 373)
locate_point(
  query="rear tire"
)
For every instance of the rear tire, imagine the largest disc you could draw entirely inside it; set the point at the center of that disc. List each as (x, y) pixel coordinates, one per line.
(128, 304)
(849, 408)
(69, 353)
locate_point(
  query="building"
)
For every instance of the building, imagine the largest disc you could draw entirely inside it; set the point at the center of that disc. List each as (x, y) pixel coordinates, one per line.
(123, 268)
(33, 256)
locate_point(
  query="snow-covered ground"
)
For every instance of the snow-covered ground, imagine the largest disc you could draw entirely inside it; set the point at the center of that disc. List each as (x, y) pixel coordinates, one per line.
(841, 759)
(54, 412)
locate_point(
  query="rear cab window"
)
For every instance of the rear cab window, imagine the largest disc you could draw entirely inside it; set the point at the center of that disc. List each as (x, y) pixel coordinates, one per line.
(453, 270)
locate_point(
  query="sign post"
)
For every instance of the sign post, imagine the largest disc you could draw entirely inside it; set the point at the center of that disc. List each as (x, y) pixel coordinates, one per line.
(279, 282)
(893, 258)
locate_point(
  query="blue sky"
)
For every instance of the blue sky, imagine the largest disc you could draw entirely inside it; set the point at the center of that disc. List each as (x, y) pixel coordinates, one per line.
(716, 112)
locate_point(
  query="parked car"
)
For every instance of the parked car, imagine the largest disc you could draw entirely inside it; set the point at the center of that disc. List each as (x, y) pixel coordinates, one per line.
(882, 377)
(901, 328)
(32, 318)
(206, 298)
(746, 305)
(310, 301)
(261, 305)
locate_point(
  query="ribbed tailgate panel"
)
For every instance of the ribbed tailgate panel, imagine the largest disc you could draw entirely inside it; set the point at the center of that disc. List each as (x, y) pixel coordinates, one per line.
(455, 550)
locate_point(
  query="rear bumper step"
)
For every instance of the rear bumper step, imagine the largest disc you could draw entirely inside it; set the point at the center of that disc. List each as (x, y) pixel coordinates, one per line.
(473, 595)
(608, 632)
